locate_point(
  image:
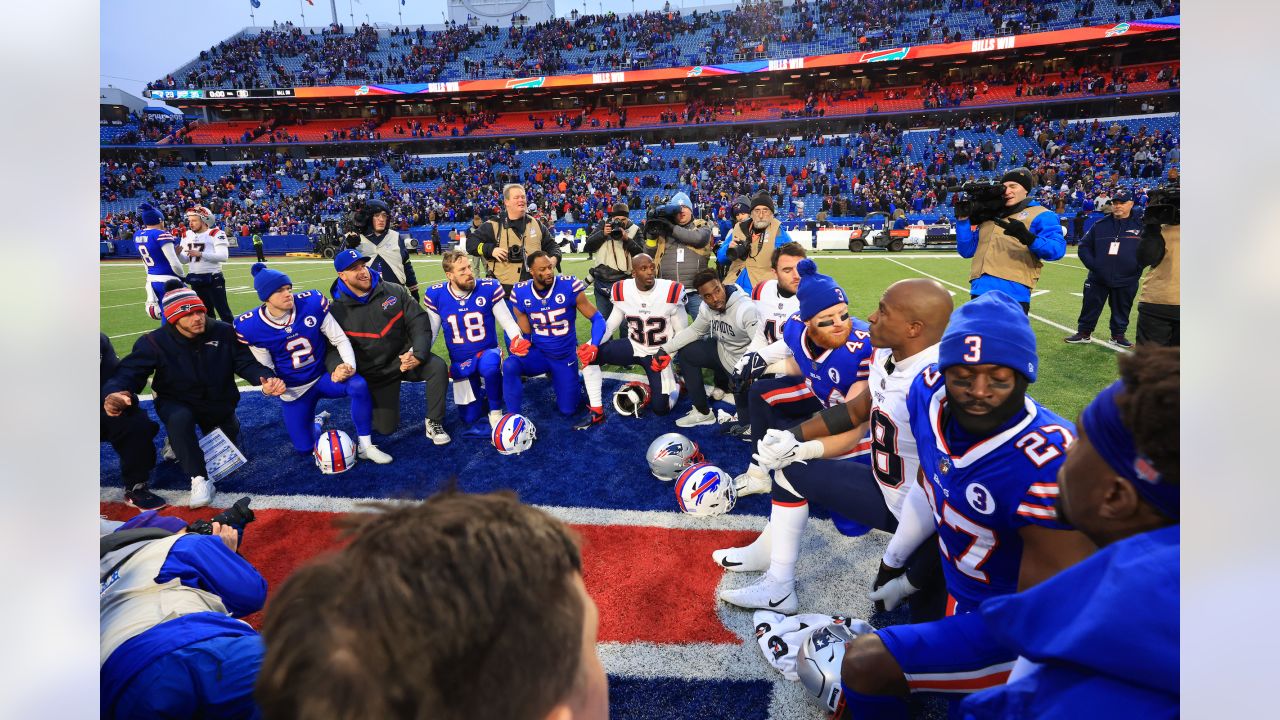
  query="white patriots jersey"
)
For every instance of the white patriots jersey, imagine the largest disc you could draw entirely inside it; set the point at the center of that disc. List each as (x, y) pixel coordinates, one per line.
(651, 318)
(894, 459)
(773, 310)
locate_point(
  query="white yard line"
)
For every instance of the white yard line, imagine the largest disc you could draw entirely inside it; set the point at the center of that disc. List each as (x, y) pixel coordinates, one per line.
(1046, 321)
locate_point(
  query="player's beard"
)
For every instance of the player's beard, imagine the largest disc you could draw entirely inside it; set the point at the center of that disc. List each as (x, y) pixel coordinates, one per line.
(985, 425)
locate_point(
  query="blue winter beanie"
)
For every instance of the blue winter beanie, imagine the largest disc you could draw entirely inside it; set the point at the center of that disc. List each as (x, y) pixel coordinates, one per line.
(816, 291)
(989, 330)
(267, 281)
(682, 199)
(149, 215)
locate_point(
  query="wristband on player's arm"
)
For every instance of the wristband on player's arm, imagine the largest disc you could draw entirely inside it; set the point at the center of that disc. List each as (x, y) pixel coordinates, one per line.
(598, 325)
(836, 419)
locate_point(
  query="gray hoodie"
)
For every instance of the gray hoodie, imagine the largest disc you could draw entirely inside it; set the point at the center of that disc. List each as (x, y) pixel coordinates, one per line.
(732, 329)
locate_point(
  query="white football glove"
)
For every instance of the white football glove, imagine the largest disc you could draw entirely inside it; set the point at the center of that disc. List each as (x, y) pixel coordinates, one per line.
(894, 592)
(779, 448)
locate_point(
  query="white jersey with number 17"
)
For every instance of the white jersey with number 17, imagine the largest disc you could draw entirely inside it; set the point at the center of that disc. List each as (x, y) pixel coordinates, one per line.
(894, 460)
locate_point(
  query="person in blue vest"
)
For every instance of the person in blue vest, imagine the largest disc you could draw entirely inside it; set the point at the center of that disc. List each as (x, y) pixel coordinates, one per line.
(1110, 250)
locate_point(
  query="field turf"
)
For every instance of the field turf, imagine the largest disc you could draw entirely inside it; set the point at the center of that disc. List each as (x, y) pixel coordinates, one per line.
(1070, 375)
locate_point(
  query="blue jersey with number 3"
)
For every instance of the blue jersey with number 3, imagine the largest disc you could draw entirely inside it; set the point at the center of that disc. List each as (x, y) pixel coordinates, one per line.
(297, 345)
(467, 323)
(830, 374)
(150, 243)
(551, 314)
(983, 496)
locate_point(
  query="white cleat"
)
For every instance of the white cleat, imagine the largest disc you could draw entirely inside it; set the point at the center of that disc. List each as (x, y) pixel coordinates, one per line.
(752, 558)
(436, 433)
(764, 594)
(694, 418)
(201, 492)
(753, 482)
(373, 455)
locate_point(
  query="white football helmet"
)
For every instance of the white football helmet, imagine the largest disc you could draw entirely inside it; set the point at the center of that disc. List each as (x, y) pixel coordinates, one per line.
(632, 398)
(670, 453)
(335, 453)
(704, 490)
(818, 660)
(514, 434)
(153, 310)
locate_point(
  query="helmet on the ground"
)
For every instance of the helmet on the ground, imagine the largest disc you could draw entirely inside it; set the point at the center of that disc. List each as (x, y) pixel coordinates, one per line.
(514, 434)
(705, 489)
(632, 398)
(818, 662)
(335, 453)
(670, 453)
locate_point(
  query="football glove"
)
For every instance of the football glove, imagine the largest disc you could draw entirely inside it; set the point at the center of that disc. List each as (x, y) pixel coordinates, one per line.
(779, 448)
(587, 353)
(660, 361)
(748, 368)
(1016, 230)
(520, 346)
(891, 594)
(885, 574)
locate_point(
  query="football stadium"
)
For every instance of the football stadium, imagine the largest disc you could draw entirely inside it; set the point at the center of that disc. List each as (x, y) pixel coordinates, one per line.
(732, 361)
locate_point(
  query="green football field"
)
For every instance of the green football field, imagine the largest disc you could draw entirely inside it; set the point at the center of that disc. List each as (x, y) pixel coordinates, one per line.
(1070, 375)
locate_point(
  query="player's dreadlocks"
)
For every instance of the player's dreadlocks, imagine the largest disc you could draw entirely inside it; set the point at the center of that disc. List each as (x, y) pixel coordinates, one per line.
(1149, 404)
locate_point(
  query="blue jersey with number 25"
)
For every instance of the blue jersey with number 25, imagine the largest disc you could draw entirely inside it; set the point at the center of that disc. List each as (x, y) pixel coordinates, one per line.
(551, 314)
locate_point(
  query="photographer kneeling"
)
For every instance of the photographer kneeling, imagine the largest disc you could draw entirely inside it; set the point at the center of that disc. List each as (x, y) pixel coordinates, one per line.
(613, 243)
(1008, 236)
(170, 643)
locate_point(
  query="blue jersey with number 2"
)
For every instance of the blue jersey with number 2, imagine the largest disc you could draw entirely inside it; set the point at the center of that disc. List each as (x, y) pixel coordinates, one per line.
(297, 345)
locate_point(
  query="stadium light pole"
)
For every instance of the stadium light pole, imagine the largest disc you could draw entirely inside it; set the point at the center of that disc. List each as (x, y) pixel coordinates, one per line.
(333, 10)
(303, 11)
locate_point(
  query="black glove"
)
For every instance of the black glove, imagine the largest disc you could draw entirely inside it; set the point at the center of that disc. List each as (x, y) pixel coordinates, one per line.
(1015, 229)
(351, 240)
(884, 575)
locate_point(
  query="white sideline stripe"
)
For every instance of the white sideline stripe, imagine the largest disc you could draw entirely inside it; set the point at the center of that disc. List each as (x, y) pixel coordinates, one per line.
(690, 661)
(573, 515)
(1079, 295)
(1059, 263)
(1046, 321)
(1038, 293)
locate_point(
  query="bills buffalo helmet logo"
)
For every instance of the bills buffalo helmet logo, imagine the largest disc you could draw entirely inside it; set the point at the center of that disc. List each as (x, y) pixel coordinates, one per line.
(390, 302)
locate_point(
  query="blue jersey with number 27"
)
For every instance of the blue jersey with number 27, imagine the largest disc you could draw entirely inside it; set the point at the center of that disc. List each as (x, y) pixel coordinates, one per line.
(982, 497)
(467, 322)
(551, 314)
(297, 345)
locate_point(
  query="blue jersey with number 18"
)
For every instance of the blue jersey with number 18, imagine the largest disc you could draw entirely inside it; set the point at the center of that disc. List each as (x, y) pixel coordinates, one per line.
(551, 314)
(296, 344)
(467, 322)
(983, 496)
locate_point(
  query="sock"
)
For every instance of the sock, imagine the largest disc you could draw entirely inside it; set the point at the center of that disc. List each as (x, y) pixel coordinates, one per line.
(874, 707)
(759, 548)
(494, 417)
(364, 441)
(787, 522)
(593, 378)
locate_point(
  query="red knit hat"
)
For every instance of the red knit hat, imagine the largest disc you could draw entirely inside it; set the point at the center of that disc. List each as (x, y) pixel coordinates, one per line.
(181, 302)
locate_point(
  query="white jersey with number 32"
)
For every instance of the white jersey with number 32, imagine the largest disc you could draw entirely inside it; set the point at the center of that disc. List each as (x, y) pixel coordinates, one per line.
(894, 460)
(648, 319)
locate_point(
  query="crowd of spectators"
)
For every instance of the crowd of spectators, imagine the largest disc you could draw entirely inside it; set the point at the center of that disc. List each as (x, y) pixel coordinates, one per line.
(612, 42)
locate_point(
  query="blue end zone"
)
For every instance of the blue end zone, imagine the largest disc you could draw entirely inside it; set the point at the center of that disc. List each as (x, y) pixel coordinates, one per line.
(602, 468)
(672, 699)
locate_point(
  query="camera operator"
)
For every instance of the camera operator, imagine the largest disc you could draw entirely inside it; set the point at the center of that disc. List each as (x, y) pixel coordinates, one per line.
(171, 643)
(612, 243)
(751, 244)
(1110, 251)
(505, 241)
(375, 239)
(1008, 241)
(1159, 307)
(680, 245)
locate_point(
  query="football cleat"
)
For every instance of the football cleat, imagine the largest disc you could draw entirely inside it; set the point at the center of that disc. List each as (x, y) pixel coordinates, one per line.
(373, 455)
(334, 453)
(514, 434)
(593, 418)
(752, 558)
(704, 489)
(764, 594)
(670, 453)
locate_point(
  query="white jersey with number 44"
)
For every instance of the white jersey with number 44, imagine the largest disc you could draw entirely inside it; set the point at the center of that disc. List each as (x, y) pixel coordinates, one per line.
(894, 460)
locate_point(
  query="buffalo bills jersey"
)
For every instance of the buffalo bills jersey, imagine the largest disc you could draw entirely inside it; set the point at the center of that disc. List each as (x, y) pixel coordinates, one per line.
(831, 373)
(467, 321)
(296, 344)
(774, 309)
(552, 315)
(982, 496)
(151, 244)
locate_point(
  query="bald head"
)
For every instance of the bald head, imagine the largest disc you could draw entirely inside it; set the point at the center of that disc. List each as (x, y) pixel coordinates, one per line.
(912, 315)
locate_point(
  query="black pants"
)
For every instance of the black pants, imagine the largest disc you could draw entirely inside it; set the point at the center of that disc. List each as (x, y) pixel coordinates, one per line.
(1158, 324)
(1096, 295)
(261, 256)
(1026, 306)
(386, 396)
(212, 289)
(180, 421)
(132, 435)
(620, 352)
(849, 488)
(690, 361)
